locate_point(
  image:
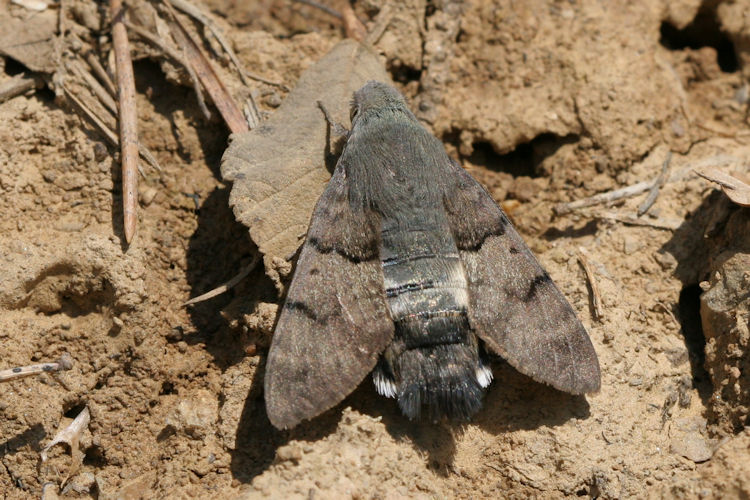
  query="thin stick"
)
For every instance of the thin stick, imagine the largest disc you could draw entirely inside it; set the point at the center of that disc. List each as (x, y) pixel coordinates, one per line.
(494, 467)
(250, 110)
(382, 21)
(93, 118)
(257, 77)
(632, 220)
(199, 16)
(226, 286)
(328, 10)
(107, 132)
(64, 363)
(94, 84)
(596, 301)
(658, 183)
(636, 189)
(157, 42)
(722, 133)
(670, 313)
(169, 51)
(352, 26)
(101, 73)
(254, 109)
(146, 155)
(208, 77)
(608, 197)
(128, 119)
(19, 85)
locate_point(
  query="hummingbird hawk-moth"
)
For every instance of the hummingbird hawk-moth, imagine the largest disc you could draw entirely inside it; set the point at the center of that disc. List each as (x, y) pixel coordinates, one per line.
(411, 271)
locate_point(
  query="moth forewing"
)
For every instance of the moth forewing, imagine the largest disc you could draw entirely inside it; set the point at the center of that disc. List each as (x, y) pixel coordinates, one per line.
(334, 322)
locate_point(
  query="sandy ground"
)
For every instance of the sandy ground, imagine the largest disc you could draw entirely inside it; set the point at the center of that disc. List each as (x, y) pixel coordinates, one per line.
(544, 102)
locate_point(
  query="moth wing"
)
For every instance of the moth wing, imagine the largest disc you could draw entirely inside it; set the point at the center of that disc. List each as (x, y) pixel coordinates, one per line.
(514, 307)
(334, 323)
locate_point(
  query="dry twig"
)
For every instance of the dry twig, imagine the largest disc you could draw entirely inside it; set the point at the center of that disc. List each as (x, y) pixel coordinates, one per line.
(658, 183)
(99, 91)
(596, 301)
(641, 187)
(64, 363)
(92, 117)
(494, 467)
(19, 85)
(128, 119)
(101, 73)
(353, 26)
(608, 197)
(251, 112)
(722, 132)
(202, 18)
(632, 220)
(226, 286)
(169, 51)
(107, 132)
(668, 310)
(328, 10)
(208, 77)
(146, 155)
(382, 21)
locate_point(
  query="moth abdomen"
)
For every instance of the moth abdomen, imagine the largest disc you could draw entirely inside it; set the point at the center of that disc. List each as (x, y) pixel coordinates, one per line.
(442, 379)
(433, 365)
(430, 328)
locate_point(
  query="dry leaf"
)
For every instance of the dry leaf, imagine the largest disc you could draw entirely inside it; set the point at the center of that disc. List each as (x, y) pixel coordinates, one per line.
(737, 190)
(279, 169)
(30, 40)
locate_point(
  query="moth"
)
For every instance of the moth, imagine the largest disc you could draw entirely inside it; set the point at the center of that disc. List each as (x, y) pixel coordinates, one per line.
(411, 271)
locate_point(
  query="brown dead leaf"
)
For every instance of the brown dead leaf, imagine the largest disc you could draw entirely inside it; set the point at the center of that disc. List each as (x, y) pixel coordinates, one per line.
(30, 39)
(279, 169)
(737, 190)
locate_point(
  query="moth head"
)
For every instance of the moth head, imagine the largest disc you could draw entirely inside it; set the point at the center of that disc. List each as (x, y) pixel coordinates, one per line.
(373, 97)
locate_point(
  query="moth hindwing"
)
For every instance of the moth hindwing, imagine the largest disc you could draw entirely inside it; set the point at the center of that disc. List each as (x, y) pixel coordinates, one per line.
(410, 270)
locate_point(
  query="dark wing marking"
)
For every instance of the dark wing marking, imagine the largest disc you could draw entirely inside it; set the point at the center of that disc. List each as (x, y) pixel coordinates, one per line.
(334, 323)
(515, 308)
